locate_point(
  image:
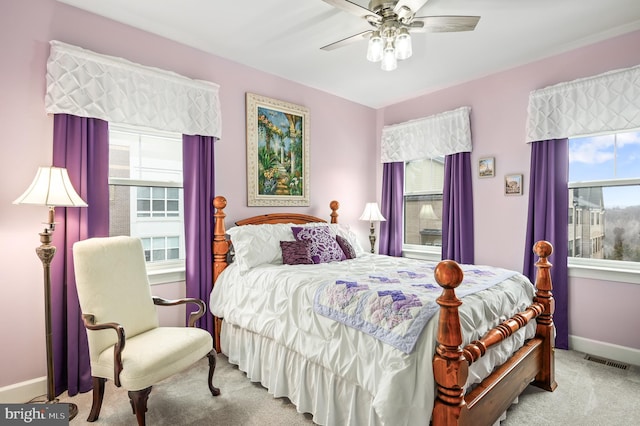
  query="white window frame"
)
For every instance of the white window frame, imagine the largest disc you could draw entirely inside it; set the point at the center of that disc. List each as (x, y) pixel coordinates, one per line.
(168, 271)
(604, 269)
(417, 251)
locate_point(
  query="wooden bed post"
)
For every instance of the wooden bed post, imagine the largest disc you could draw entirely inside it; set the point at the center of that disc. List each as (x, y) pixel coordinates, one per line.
(533, 363)
(334, 206)
(450, 368)
(545, 379)
(220, 251)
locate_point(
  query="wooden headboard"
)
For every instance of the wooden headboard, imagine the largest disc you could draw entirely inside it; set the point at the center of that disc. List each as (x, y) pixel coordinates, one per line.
(221, 244)
(297, 218)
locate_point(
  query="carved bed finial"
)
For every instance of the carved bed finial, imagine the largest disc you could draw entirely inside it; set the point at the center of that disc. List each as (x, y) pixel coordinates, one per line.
(448, 274)
(334, 206)
(543, 249)
(219, 202)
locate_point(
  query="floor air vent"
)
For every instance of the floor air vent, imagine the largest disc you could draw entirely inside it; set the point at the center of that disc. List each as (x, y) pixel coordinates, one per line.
(607, 362)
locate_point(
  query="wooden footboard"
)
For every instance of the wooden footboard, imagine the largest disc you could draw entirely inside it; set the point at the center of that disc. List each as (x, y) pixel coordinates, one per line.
(533, 363)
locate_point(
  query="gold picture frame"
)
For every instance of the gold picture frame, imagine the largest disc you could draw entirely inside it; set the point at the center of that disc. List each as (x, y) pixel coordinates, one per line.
(486, 167)
(277, 152)
(513, 184)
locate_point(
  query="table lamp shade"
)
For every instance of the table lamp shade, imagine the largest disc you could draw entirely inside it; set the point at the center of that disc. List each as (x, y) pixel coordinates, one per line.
(372, 213)
(51, 187)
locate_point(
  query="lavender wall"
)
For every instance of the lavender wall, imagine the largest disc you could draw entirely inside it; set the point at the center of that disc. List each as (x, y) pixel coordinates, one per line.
(342, 150)
(344, 166)
(498, 118)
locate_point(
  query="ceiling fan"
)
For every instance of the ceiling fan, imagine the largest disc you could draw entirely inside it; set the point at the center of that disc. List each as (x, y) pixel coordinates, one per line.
(392, 21)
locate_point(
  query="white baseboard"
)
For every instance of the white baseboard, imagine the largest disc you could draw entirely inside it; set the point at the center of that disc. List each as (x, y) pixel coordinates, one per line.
(20, 393)
(605, 350)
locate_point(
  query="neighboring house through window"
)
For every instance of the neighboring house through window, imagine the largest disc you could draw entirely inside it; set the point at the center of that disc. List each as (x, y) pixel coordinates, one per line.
(146, 195)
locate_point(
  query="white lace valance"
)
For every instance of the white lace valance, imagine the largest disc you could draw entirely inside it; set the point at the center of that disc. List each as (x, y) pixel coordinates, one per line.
(607, 102)
(441, 134)
(88, 84)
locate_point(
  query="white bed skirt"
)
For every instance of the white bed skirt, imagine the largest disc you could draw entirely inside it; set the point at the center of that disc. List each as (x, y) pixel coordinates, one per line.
(313, 389)
(310, 387)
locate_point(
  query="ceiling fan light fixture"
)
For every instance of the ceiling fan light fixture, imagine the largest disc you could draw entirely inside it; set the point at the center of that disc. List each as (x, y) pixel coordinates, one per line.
(389, 61)
(392, 21)
(403, 44)
(375, 47)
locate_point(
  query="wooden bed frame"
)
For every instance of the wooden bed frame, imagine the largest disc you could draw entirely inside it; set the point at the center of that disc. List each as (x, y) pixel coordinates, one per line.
(532, 364)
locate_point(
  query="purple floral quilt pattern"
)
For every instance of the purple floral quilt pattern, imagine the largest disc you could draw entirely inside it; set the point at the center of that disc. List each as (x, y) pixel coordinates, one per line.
(396, 306)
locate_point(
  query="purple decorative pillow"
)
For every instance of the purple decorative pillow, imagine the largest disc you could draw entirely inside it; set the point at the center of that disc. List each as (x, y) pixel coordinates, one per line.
(322, 243)
(347, 248)
(295, 253)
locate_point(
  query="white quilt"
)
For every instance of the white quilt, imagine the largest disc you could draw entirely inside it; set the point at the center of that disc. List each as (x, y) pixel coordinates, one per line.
(276, 302)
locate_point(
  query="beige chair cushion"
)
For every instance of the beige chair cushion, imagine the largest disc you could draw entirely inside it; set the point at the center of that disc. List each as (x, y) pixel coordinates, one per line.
(155, 355)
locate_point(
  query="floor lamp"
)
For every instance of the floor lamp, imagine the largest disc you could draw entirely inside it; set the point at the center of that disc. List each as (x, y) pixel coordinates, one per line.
(372, 214)
(52, 188)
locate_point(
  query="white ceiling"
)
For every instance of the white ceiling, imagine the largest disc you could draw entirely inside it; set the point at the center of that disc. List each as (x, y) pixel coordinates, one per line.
(283, 37)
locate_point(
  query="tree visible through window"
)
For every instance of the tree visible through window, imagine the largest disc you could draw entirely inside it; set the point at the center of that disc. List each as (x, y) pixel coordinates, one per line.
(604, 197)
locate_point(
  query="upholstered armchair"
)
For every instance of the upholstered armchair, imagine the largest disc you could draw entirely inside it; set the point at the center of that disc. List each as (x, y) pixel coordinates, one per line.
(126, 343)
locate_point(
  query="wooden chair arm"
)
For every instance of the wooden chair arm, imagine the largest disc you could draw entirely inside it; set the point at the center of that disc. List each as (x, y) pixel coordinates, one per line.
(194, 316)
(90, 323)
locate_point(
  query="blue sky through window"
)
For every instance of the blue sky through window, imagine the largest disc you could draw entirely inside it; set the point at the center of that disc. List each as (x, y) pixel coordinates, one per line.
(608, 157)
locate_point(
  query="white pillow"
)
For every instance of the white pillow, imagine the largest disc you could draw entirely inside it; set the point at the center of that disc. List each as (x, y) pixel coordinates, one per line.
(346, 232)
(255, 245)
(258, 244)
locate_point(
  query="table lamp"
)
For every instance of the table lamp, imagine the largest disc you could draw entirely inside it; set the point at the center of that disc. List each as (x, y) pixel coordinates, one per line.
(372, 214)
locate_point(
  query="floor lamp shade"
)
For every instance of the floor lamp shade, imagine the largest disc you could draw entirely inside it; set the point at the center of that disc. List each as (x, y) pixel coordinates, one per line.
(52, 188)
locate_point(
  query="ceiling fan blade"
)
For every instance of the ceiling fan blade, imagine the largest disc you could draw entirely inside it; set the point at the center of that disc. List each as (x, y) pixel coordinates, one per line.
(444, 24)
(413, 5)
(347, 41)
(353, 8)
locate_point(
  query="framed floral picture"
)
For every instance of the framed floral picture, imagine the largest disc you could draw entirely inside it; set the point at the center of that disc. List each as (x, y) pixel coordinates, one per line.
(513, 184)
(277, 152)
(486, 167)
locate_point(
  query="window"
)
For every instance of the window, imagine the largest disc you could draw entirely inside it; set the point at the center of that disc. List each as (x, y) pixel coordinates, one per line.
(604, 201)
(158, 202)
(423, 186)
(157, 249)
(146, 195)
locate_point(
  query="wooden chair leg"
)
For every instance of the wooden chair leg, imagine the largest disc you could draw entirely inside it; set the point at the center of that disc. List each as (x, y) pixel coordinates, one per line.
(212, 366)
(98, 395)
(138, 401)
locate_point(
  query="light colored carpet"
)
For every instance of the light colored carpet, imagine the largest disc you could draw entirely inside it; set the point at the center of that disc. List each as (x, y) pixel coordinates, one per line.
(588, 394)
